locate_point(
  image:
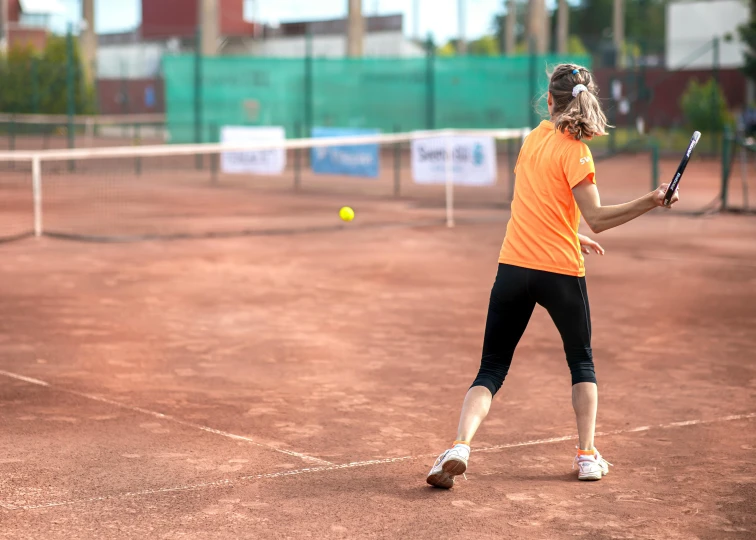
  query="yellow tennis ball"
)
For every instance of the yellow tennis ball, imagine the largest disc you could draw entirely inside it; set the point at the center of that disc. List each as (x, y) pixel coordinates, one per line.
(346, 213)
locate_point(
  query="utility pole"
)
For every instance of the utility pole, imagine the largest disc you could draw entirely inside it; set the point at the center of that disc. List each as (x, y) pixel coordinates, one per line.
(462, 40)
(537, 26)
(88, 40)
(510, 39)
(209, 16)
(618, 27)
(355, 29)
(563, 21)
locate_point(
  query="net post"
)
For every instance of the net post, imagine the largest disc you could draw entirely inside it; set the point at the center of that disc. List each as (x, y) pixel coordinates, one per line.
(654, 164)
(397, 165)
(449, 173)
(37, 194)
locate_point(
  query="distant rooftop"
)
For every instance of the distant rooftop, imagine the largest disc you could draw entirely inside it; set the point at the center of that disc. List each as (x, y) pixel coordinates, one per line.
(381, 23)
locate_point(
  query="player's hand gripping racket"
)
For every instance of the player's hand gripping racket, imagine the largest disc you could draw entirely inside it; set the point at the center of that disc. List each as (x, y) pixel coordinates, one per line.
(681, 168)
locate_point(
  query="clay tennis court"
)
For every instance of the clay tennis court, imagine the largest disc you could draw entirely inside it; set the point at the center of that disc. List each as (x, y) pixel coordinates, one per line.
(301, 384)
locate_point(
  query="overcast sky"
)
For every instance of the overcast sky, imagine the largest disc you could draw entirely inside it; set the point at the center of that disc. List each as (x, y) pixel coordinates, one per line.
(436, 16)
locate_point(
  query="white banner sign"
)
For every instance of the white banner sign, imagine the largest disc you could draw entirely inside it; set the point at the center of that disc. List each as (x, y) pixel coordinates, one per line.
(473, 160)
(255, 161)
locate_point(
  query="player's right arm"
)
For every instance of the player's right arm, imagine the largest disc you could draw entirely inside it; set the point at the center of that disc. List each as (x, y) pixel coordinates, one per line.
(601, 218)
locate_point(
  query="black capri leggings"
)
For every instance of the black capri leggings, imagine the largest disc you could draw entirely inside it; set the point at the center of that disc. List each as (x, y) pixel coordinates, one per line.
(513, 298)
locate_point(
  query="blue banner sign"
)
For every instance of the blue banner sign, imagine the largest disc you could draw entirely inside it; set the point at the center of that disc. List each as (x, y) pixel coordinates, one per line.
(354, 160)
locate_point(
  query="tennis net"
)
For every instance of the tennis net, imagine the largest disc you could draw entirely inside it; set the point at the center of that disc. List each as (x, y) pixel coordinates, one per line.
(258, 186)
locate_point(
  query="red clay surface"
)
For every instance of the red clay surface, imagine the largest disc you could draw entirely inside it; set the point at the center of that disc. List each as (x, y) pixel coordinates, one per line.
(301, 385)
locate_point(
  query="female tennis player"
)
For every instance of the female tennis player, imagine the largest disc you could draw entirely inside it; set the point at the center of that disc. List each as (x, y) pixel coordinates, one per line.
(541, 262)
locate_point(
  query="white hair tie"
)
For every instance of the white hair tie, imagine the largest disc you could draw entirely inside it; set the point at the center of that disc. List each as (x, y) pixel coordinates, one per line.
(579, 88)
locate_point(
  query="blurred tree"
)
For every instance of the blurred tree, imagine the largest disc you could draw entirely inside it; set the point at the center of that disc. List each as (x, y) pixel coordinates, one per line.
(705, 107)
(591, 20)
(53, 77)
(748, 36)
(448, 49)
(485, 46)
(590, 23)
(22, 70)
(575, 46)
(499, 26)
(15, 74)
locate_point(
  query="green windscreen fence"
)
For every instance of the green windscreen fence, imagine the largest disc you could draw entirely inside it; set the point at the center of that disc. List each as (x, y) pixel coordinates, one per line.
(391, 94)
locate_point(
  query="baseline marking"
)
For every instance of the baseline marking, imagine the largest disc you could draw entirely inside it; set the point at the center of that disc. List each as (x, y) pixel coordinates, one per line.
(166, 417)
(359, 464)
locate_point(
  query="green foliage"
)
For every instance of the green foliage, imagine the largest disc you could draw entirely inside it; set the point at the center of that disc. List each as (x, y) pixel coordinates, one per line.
(575, 46)
(748, 36)
(485, 46)
(447, 50)
(644, 23)
(34, 82)
(590, 22)
(705, 107)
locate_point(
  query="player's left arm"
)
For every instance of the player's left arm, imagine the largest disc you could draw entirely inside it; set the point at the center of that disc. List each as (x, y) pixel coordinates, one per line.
(587, 244)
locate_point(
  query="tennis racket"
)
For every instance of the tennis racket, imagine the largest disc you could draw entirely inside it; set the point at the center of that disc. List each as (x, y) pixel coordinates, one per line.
(681, 168)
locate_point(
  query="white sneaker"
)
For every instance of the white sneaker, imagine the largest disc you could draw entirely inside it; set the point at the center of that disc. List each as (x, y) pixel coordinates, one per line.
(451, 463)
(591, 466)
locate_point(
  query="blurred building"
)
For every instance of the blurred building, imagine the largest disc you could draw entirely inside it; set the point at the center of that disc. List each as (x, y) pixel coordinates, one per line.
(168, 30)
(692, 27)
(128, 68)
(29, 21)
(384, 37)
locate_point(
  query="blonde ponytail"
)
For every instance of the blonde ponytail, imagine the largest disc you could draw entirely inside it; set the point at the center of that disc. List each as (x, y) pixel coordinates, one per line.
(576, 108)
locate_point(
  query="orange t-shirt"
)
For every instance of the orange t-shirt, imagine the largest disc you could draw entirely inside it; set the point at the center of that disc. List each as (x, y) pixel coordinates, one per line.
(542, 231)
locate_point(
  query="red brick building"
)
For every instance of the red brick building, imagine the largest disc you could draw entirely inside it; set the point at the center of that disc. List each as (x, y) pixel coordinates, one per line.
(180, 18)
(29, 20)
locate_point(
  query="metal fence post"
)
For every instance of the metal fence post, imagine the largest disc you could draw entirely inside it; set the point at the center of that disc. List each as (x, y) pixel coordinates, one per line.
(298, 161)
(726, 142)
(532, 82)
(309, 98)
(198, 93)
(715, 94)
(430, 84)
(654, 164)
(397, 165)
(71, 90)
(34, 86)
(37, 194)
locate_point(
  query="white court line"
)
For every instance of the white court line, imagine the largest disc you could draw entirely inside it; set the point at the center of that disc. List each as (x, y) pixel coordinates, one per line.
(358, 464)
(166, 417)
